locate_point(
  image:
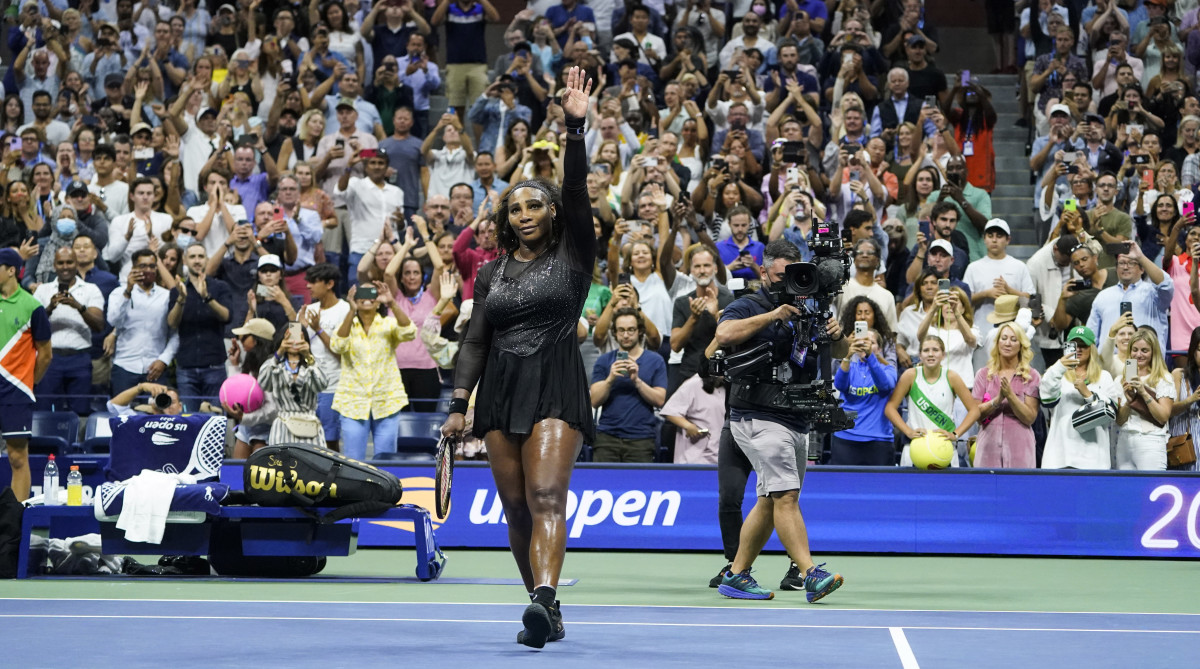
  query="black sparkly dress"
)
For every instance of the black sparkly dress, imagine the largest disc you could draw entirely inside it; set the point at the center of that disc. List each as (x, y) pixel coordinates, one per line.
(521, 344)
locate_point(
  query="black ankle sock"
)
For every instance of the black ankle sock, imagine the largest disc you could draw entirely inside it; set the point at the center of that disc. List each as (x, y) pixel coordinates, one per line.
(543, 595)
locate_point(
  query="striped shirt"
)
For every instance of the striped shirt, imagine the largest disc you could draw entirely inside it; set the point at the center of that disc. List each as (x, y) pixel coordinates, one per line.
(23, 323)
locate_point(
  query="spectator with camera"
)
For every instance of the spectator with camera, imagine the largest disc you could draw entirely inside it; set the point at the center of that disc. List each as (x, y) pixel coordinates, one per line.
(974, 205)
(862, 283)
(629, 384)
(944, 250)
(694, 319)
(1143, 289)
(145, 344)
(163, 400)
(76, 311)
(1069, 385)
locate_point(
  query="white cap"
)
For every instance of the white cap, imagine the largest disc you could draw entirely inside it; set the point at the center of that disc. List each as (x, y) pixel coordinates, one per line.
(943, 245)
(997, 223)
(269, 259)
(1054, 109)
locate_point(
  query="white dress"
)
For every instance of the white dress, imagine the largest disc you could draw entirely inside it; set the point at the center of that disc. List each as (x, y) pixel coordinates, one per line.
(1065, 446)
(655, 302)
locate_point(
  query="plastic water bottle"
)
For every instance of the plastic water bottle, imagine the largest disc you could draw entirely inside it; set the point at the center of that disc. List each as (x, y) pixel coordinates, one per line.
(74, 487)
(50, 482)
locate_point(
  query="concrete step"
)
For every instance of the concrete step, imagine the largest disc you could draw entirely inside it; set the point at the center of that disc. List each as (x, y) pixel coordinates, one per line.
(1010, 133)
(993, 81)
(1009, 148)
(1023, 192)
(1006, 106)
(1022, 251)
(1012, 162)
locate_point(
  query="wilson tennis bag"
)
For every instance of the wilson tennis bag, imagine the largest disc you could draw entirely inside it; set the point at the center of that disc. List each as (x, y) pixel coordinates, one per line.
(305, 475)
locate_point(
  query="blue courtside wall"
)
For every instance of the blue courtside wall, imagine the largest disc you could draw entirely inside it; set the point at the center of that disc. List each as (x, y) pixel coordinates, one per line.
(874, 510)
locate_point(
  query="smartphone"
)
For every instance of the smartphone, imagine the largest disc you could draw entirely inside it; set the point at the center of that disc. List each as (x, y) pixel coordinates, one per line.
(966, 78)
(366, 293)
(341, 143)
(732, 74)
(295, 332)
(931, 101)
(1070, 204)
(450, 110)
(1118, 249)
(943, 285)
(793, 174)
(278, 214)
(743, 253)
(1188, 208)
(1069, 157)
(286, 66)
(923, 228)
(368, 153)
(1131, 370)
(14, 143)
(860, 328)
(703, 431)
(1148, 179)
(1126, 308)
(1081, 284)
(1141, 160)
(622, 356)
(1070, 349)
(847, 58)
(622, 278)
(263, 292)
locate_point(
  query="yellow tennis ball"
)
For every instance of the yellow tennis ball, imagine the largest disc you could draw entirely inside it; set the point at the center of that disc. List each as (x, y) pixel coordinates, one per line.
(971, 455)
(932, 451)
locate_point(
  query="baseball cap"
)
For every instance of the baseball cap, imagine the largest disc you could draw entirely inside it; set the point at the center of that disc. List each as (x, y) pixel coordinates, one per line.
(139, 128)
(915, 39)
(269, 260)
(226, 7)
(10, 257)
(1060, 109)
(77, 188)
(1096, 118)
(1067, 244)
(943, 245)
(205, 111)
(625, 43)
(998, 223)
(114, 79)
(1082, 333)
(345, 102)
(257, 327)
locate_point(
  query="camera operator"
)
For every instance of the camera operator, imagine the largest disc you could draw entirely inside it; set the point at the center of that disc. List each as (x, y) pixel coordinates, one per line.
(771, 439)
(163, 400)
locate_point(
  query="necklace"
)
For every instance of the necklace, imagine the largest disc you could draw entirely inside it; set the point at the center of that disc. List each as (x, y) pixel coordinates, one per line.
(293, 370)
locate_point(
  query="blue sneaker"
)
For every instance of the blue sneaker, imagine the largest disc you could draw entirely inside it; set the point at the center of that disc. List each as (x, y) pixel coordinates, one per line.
(742, 586)
(818, 582)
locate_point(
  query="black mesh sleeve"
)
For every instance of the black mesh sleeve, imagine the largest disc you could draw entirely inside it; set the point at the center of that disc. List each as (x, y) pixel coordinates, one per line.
(473, 351)
(578, 236)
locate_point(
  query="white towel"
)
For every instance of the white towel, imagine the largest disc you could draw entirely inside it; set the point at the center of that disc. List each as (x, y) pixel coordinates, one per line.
(146, 504)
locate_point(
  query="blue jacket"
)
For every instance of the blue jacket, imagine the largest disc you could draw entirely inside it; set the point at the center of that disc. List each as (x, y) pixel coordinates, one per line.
(866, 389)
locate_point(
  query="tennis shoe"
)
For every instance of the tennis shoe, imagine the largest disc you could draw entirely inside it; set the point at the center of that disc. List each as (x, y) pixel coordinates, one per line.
(715, 581)
(818, 582)
(559, 632)
(742, 586)
(538, 626)
(792, 580)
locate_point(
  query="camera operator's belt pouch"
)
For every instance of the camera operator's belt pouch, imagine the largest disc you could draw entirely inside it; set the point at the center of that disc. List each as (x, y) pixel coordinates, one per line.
(757, 396)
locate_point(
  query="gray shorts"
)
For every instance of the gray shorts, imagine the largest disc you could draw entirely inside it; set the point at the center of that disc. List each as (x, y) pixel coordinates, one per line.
(778, 454)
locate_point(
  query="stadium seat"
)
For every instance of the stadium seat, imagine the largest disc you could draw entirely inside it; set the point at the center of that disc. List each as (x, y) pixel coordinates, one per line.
(53, 432)
(419, 432)
(96, 433)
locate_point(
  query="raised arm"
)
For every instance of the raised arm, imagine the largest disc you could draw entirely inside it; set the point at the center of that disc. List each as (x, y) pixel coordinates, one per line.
(578, 234)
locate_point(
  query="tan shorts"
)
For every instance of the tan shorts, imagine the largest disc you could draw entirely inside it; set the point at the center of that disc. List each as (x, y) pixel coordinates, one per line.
(464, 83)
(778, 454)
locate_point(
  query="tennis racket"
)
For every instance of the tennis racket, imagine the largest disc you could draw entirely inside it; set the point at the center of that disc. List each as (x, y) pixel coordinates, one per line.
(444, 474)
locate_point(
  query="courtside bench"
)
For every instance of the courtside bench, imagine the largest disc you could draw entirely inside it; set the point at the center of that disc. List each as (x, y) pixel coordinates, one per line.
(196, 445)
(264, 531)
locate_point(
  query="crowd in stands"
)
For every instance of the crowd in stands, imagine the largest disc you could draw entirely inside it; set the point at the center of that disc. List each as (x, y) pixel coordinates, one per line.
(187, 181)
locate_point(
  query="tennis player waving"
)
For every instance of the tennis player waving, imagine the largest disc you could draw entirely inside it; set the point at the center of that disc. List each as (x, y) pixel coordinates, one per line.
(532, 408)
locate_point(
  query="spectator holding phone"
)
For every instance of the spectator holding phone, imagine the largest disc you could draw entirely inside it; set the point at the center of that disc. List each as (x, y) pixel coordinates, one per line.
(629, 383)
(1075, 380)
(939, 400)
(1142, 288)
(1074, 305)
(865, 379)
(1146, 409)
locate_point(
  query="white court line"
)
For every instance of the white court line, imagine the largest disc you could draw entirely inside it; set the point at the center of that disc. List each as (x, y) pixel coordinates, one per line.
(573, 622)
(907, 659)
(637, 606)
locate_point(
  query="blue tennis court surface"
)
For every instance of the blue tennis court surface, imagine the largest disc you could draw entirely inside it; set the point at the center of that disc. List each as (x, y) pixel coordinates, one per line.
(213, 633)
